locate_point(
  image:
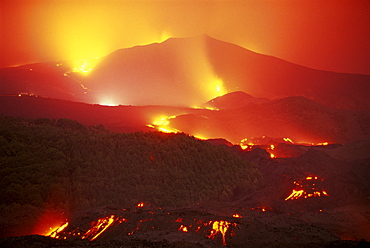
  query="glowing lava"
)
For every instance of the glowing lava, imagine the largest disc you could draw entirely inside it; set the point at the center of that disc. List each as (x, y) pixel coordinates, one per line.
(54, 232)
(162, 124)
(216, 86)
(84, 66)
(99, 227)
(237, 216)
(262, 209)
(245, 145)
(205, 227)
(219, 227)
(288, 140)
(307, 188)
(271, 148)
(183, 228)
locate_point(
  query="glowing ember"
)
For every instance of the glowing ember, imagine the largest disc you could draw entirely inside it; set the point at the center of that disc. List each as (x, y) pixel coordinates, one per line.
(307, 188)
(140, 205)
(237, 216)
(262, 209)
(183, 228)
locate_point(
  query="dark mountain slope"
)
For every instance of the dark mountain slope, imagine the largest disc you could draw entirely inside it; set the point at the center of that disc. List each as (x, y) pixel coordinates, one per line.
(63, 165)
(298, 118)
(44, 79)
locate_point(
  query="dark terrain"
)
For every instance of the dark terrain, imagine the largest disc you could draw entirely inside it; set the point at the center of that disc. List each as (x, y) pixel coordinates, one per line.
(265, 218)
(301, 179)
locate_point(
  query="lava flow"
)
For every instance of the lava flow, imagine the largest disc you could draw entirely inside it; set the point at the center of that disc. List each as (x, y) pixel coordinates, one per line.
(144, 220)
(219, 227)
(54, 233)
(99, 227)
(162, 124)
(309, 187)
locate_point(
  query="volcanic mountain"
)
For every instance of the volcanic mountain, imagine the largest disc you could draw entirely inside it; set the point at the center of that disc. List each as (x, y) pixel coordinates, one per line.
(185, 72)
(85, 183)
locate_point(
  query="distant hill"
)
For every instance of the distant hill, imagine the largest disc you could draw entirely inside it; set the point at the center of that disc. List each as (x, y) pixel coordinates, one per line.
(297, 118)
(175, 72)
(43, 79)
(236, 99)
(115, 118)
(187, 72)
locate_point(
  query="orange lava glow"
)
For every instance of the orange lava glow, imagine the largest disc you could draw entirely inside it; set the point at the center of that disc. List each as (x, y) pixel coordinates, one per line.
(183, 228)
(162, 124)
(262, 209)
(246, 145)
(99, 227)
(209, 228)
(49, 222)
(308, 143)
(307, 188)
(84, 66)
(54, 233)
(288, 140)
(219, 227)
(140, 205)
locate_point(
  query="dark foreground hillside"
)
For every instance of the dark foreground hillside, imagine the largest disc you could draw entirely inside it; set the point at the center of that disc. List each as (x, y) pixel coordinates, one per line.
(62, 165)
(90, 187)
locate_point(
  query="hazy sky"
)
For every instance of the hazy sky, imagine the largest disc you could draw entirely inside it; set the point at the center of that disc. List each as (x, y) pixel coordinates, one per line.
(329, 35)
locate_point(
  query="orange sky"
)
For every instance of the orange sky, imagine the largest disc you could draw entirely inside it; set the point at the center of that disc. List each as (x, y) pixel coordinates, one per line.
(329, 35)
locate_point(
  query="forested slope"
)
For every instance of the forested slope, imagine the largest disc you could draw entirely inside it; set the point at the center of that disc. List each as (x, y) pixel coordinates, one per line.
(64, 165)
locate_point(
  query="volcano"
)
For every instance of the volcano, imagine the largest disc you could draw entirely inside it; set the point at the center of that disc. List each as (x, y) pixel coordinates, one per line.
(208, 144)
(185, 72)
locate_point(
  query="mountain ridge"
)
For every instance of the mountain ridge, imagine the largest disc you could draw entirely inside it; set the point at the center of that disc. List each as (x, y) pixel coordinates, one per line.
(189, 72)
(298, 118)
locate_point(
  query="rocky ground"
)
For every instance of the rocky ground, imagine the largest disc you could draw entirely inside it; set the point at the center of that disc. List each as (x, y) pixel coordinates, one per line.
(264, 218)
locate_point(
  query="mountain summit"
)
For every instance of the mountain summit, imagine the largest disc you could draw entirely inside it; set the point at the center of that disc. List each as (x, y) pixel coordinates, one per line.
(187, 72)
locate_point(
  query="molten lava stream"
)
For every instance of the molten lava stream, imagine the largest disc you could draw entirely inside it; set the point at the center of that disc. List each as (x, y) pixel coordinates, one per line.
(219, 227)
(54, 233)
(99, 227)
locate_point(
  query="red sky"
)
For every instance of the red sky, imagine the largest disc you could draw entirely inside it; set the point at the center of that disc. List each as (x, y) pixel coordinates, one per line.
(330, 35)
